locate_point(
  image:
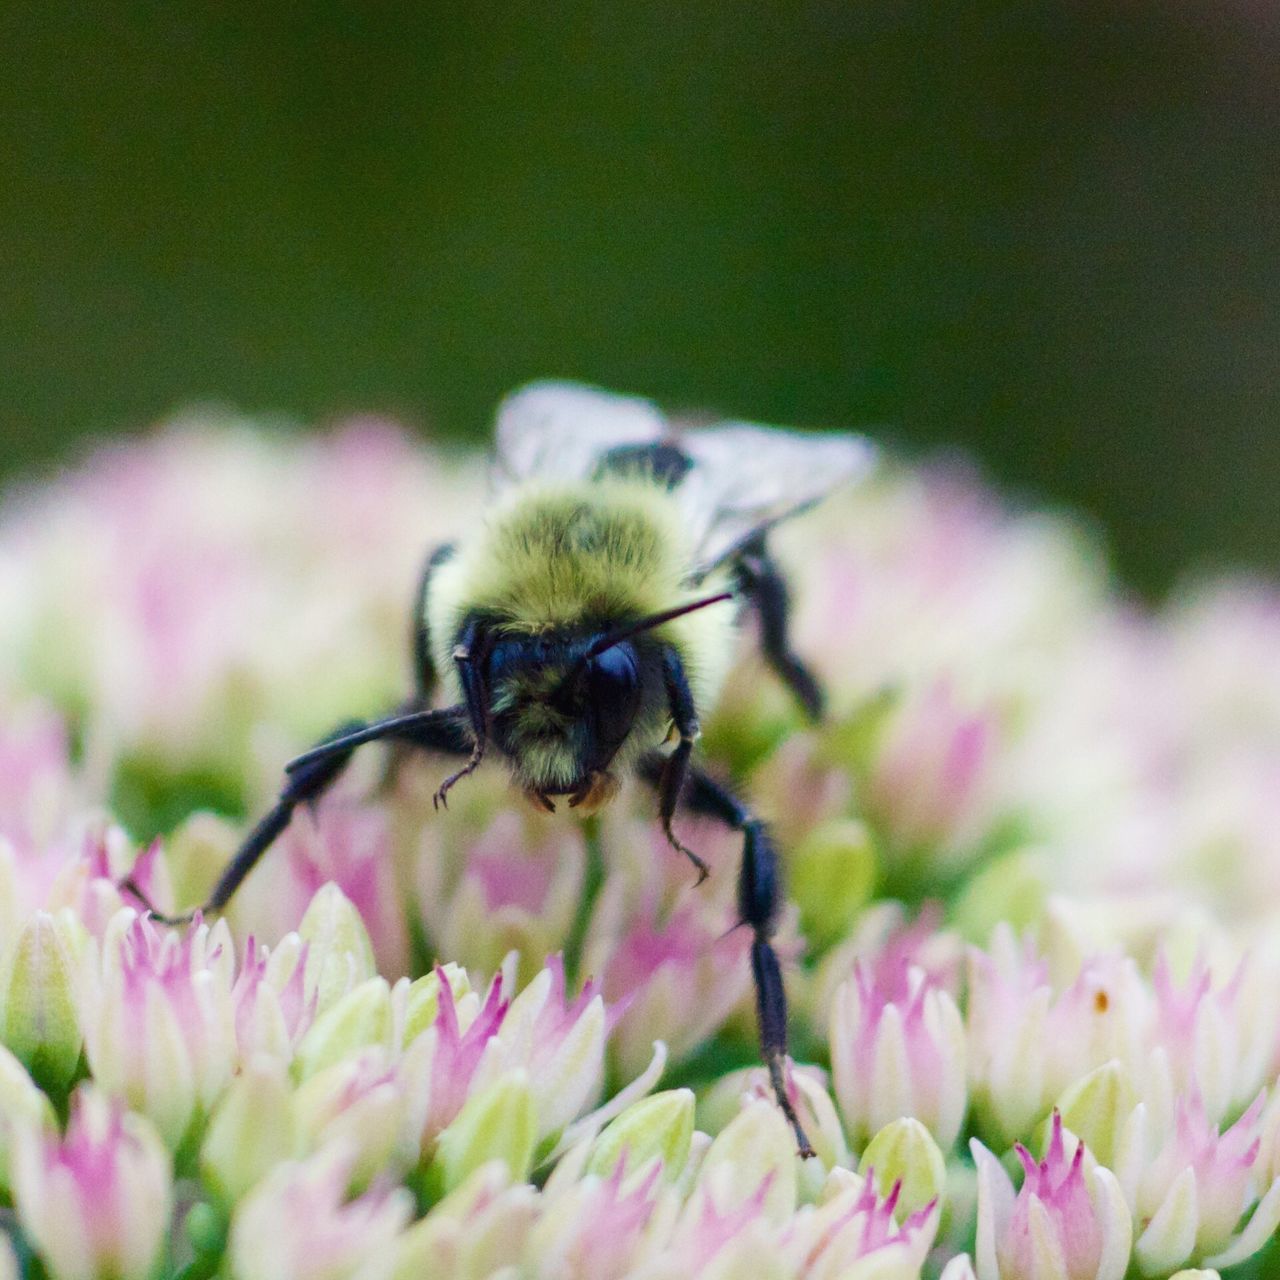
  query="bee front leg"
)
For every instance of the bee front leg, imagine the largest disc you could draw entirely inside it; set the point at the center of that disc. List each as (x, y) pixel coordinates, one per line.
(761, 582)
(307, 779)
(469, 658)
(759, 901)
(674, 769)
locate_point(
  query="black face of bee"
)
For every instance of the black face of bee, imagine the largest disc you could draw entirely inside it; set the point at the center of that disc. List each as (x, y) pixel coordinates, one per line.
(560, 713)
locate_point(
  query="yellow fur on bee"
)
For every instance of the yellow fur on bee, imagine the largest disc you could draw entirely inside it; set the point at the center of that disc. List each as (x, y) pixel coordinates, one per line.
(602, 553)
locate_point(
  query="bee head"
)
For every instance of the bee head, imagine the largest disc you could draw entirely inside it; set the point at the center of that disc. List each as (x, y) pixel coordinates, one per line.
(561, 713)
(564, 704)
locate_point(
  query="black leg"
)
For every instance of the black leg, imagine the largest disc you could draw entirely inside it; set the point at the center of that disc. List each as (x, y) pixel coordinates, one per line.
(424, 665)
(675, 767)
(471, 658)
(759, 901)
(307, 779)
(760, 581)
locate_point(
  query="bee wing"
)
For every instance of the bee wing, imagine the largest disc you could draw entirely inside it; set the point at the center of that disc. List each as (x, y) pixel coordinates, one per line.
(747, 478)
(561, 430)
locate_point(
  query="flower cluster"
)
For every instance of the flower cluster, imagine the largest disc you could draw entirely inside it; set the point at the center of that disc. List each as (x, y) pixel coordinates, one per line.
(1032, 859)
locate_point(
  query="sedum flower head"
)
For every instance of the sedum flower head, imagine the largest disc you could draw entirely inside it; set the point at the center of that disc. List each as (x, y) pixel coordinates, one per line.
(95, 1203)
(159, 1020)
(1196, 1189)
(1067, 1222)
(898, 1050)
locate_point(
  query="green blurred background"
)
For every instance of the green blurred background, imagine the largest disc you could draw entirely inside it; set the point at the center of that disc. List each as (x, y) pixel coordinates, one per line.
(1048, 233)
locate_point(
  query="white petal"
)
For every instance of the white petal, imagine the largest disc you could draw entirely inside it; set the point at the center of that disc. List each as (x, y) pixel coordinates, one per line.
(995, 1204)
(959, 1268)
(1170, 1236)
(1266, 1217)
(1116, 1224)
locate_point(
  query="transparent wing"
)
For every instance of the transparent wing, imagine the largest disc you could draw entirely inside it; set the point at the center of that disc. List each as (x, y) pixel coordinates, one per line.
(746, 478)
(742, 479)
(561, 429)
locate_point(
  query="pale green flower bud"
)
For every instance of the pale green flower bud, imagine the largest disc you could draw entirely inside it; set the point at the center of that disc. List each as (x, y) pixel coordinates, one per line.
(499, 1123)
(904, 1152)
(1096, 1107)
(831, 875)
(359, 1018)
(339, 954)
(1011, 888)
(757, 1147)
(251, 1130)
(39, 1019)
(660, 1127)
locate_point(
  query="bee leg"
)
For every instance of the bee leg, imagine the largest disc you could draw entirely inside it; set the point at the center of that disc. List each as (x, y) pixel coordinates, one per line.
(759, 900)
(675, 767)
(307, 779)
(761, 582)
(468, 656)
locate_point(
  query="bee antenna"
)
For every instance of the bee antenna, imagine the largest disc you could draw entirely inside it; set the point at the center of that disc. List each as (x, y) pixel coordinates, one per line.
(609, 639)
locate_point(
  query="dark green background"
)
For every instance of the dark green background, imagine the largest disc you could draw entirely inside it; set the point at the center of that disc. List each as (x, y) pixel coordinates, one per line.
(1048, 233)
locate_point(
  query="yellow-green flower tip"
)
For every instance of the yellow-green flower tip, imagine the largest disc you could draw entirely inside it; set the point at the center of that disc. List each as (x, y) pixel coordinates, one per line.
(904, 1152)
(499, 1123)
(660, 1127)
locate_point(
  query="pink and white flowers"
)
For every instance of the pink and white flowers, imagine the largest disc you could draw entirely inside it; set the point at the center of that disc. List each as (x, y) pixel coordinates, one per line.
(898, 1051)
(425, 1043)
(1068, 1220)
(96, 1202)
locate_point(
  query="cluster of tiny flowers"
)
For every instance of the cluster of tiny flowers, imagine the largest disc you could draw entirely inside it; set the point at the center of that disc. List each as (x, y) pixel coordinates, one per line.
(1032, 859)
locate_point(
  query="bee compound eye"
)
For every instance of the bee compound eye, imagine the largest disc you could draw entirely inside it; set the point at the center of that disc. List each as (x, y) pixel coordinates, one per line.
(612, 690)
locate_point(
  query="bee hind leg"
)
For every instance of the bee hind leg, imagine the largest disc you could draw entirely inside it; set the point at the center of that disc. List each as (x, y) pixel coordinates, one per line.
(759, 901)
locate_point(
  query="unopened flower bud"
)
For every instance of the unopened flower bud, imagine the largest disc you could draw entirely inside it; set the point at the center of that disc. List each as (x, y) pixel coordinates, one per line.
(831, 876)
(340, 954)
(422, 1002)
(22, 1105)
(1096, 1107)
(359, 1018)
(658, 1127)
(39, 1020)
(904, 1155)
(499, 1123)
(754, 1154)
(250, 1131)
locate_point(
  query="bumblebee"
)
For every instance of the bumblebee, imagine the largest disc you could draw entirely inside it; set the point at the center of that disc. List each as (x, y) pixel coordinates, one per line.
(590, 616)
